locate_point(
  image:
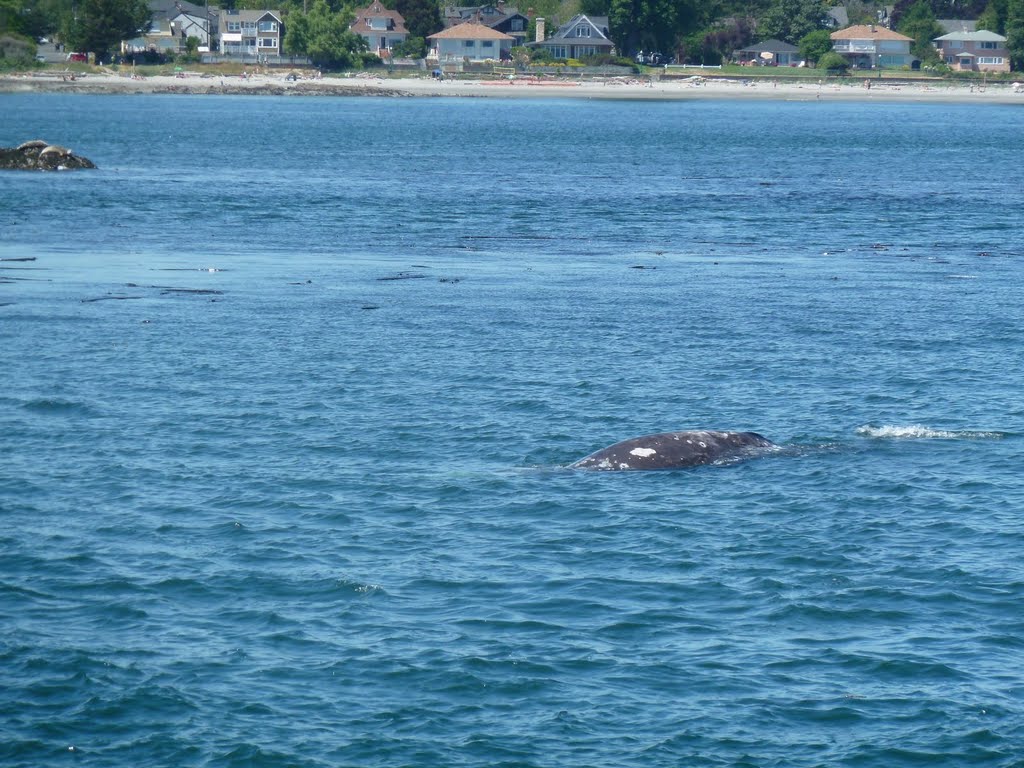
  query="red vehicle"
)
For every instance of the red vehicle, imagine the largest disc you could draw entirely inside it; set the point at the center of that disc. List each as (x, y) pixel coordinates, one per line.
(80, 57)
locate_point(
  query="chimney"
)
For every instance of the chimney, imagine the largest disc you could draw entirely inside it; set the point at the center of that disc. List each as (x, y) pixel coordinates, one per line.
(540, 29)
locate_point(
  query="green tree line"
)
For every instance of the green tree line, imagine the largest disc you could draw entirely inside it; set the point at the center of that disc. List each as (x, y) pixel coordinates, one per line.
(699, 31)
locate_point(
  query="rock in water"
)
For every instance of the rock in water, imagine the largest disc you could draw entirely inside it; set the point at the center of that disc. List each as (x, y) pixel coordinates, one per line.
(38, 155)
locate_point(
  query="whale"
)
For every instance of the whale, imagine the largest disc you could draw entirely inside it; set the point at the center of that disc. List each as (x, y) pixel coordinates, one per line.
(675, 450)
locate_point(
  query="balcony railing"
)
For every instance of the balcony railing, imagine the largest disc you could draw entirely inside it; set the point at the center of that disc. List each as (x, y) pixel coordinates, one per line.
(853, 46)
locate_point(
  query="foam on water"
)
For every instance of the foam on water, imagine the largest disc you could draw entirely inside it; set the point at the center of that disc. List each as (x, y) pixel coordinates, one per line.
(920, 432)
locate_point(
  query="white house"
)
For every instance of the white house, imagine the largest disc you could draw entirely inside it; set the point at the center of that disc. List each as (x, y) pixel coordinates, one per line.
(868, 46)
(471, 41)
(382, 28)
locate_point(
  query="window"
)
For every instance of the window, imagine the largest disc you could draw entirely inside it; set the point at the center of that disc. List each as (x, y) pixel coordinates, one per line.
(470, 43)
(558, 52)
(990, 60)
(268, 26)
(517, 25)
(488, 43)
(249, 26)
(234, 26)
(268, 42)
(582, 31)
(989, 45)
(956, 43)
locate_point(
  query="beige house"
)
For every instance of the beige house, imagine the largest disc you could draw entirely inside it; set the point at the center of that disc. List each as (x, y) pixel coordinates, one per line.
(867, 46)
(257, 34)
(980, 51)
(469, 42)
(382, 28)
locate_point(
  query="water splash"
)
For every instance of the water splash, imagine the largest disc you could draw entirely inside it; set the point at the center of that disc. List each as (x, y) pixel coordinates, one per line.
(921, 432)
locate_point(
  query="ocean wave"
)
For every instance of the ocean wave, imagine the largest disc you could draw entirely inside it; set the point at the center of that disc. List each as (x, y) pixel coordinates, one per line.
(921, 432)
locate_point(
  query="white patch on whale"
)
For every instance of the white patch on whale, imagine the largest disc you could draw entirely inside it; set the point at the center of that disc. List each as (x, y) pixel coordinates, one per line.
(644, 452)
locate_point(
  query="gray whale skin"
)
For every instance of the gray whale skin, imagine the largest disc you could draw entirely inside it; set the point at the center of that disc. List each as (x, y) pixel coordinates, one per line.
(674, 450)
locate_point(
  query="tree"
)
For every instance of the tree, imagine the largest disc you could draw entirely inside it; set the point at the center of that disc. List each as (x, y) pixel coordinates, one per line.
(1015, 32)
(422, 17)
(101, 25)
(919, 23)
(325, 37)
(651, 25)
(411, 47)
(814, 45)
(790, 20)
(994, 17)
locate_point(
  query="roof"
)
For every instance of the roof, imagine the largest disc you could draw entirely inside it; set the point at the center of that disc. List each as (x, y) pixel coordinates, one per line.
(957, 25)
(772, 46)
(600, 23)
(245, 15)
(868, 32)
(982, 35)
(168, 9)
(469, 31)
(839, 15)
(488, 15)
(377, 11)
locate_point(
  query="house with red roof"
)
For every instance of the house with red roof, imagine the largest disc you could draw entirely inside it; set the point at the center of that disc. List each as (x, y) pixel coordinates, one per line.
(470, 41)
(868, 46)
(381, 27)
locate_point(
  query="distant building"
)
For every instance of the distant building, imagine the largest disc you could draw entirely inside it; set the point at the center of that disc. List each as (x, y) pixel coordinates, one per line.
(980, 51)
(581, 36)
(837, 17)
(770, 53)
(469, 42)
(256, 34)
(172, 23)
(867, 46)
(382, 28)
(499, 17)
(957, 25)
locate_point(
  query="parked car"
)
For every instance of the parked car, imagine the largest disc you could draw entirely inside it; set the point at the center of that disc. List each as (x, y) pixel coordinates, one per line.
(80, 57)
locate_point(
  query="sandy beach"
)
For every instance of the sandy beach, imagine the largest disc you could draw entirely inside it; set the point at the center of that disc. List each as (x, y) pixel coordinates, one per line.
(640, 89)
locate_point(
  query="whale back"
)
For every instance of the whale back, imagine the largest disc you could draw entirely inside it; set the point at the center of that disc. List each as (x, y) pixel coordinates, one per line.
(674, 450)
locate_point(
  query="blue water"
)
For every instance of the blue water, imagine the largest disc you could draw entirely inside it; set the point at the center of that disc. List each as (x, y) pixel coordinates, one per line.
(299, 515)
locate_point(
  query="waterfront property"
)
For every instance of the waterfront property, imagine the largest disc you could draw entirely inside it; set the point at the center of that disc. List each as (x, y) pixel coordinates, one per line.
(867, 46)
(469, 41)
(500, 17)
(381, 27)
(172, 23)
(979, 51)
(251, 33)
(581, 36)
(770, 53)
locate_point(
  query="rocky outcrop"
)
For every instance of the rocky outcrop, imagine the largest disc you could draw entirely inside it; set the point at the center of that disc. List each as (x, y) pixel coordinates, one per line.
(38, 155)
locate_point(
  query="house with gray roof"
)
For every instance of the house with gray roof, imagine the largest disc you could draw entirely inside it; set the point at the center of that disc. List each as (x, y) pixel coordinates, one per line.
(251, 33)
(502, 18)
(978, 51)
(172, 23)
(770, 53)
(581, 36)
(957, 25)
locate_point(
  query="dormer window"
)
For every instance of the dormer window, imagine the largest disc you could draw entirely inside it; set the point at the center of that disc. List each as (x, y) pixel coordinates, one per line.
(582, 31)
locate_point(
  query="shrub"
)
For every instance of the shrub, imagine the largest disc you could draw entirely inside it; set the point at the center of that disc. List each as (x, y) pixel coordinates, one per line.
(16, 51)
(833, 62)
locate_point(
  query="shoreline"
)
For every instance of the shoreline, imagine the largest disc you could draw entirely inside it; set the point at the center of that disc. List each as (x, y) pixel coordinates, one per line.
(274, 84)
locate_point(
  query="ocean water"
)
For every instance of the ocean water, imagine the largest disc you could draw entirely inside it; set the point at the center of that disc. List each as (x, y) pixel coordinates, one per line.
(262, 505)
